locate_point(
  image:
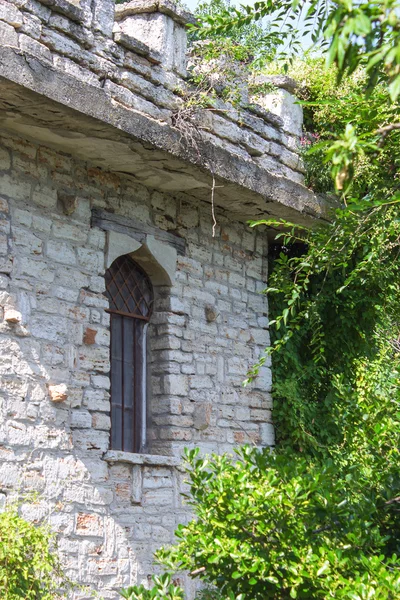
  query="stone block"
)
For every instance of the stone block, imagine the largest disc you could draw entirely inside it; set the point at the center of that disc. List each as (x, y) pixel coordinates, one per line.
(31, 242)
(68, 231)
(176, 385)
(78, 33)
(81, 419)
(93, 358)
(158, 25)
(4, 282)
(200, 382)
(58, 393)
(76, 10)
(5, 161)
(4, 248)
(89, 336)
(101, 382)
(67, 294)
(97, 400)
(61, 252)
(41, 224)
(35, 48)
(72, 278)
(31, 26)
(8, 35)
(12, 316)
(103, 16)
(137, 484)
(91, 260)
(267, 434)
(136, 102)
(90, 440)
(158, 498)
(88, 524)
(36, 269)
(13, 188)
(101, 421)
(9, 475)
(284, 105)
(97, 238)
(95, 300)
(4, 207)
(62, 44)
(82, 74)
(202, 416)
(11, 15)
(50, 327)
(45, 196)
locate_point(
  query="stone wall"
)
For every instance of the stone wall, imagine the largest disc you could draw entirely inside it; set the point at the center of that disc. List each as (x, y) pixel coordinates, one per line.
(93, 165)
(112, 510)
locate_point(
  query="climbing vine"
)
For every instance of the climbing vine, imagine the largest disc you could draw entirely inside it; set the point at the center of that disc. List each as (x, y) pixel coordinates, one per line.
(320, 516)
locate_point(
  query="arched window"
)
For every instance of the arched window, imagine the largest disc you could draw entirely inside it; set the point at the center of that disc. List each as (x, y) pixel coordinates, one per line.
(131, 298)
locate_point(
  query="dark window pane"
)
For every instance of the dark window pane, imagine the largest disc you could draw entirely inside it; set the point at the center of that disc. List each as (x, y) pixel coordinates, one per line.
(128, 288)
(129, 292)
(116, 382)
(129, 377)
(139, 383)
(128, 364)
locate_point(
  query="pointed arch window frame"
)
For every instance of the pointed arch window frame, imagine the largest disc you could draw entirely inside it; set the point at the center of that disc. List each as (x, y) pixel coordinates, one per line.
(131, 301)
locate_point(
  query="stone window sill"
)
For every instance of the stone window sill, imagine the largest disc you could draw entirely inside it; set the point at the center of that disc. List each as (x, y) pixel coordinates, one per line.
(138, 463)
(118, 456)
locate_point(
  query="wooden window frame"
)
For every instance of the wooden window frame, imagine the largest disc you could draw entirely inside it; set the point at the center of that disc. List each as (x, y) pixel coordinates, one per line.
(131, 297)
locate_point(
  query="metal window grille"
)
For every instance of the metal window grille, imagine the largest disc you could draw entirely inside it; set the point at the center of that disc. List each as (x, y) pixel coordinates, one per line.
(131, 299)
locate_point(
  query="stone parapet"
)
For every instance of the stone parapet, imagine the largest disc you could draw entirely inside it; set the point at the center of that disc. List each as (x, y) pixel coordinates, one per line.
(135, 55)
(158, 25)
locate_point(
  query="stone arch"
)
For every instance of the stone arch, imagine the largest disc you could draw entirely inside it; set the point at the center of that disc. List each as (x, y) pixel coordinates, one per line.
(158, 260)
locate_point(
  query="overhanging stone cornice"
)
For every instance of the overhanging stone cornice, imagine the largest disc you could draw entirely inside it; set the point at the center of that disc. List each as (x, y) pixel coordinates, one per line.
(52, 107)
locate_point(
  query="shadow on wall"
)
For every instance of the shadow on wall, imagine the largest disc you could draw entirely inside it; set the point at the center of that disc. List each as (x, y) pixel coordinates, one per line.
(110, 515)
(111, 510)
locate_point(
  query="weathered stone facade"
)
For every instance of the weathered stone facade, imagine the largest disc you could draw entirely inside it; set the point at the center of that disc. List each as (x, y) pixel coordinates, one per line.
(55, 333)
(92, 168)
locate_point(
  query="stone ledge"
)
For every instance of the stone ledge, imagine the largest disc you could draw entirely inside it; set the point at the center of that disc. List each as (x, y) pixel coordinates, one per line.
(80, 110)
(152, 460)
(131, 43)
(283, 82)
(73, 10)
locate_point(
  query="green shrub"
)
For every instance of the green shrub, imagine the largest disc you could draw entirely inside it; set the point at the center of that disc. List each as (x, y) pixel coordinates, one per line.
(163, 589)
(29, 565)
(275, 526)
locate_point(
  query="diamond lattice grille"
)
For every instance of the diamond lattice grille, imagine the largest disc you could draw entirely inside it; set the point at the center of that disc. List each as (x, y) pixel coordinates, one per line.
(128, 289)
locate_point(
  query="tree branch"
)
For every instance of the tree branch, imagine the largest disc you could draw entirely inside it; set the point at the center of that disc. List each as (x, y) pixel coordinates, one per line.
(384, 131)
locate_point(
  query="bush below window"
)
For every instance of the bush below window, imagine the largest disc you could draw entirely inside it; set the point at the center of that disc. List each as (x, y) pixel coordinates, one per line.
(29, 565)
